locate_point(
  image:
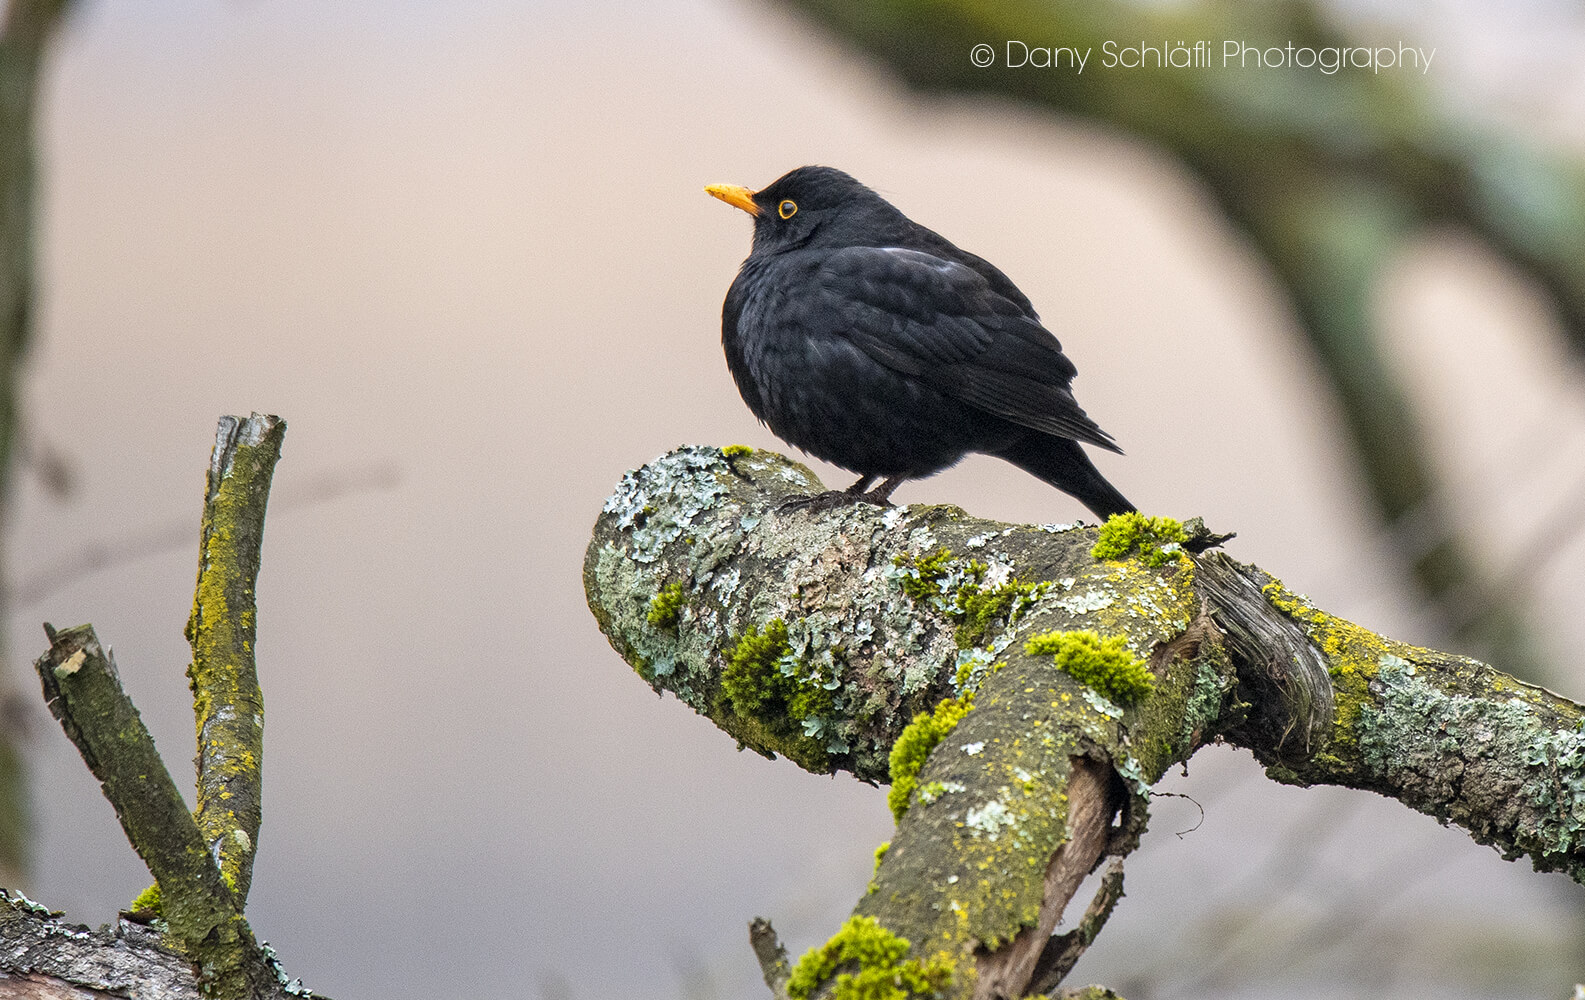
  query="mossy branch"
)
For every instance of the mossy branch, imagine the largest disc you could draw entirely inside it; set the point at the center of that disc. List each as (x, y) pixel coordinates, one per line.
(205, 919)
(1015, 800)
(200, 862)
(227, 701)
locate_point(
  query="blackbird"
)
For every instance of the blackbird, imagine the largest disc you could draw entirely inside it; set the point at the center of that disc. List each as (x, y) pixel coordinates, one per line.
(875, 344)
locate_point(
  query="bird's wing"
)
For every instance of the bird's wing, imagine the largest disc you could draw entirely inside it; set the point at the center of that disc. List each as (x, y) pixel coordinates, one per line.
(942, 323)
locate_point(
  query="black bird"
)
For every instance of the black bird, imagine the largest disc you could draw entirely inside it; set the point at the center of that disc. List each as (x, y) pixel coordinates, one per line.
(875, 344)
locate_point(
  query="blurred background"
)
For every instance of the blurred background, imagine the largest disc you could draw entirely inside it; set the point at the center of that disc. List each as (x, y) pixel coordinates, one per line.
(463, 249)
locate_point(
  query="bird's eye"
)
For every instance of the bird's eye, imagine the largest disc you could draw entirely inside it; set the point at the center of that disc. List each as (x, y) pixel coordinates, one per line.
(787, 209)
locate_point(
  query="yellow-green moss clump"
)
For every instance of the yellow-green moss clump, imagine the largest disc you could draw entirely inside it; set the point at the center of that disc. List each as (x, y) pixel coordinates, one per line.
(764, 681)
(666, 607)
(736, 451)
(148, 901)
(923, 576)
(958, 589)
(914, 744)
(758, 677)
(1156, 539)
(1104, 665)
(879, 971)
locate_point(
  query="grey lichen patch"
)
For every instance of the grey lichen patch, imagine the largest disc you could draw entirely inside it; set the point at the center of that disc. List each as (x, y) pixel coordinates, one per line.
(1497, 766)
(665, 575)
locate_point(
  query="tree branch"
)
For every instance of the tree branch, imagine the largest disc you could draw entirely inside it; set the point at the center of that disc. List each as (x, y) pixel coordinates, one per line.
(83, 692)
(42, 956)
(771, 955)
(227, 701)
(821, 637)
(200, 863)
(1062, 952)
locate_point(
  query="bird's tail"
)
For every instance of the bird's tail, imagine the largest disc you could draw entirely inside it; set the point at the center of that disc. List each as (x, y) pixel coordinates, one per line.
(1063, 464)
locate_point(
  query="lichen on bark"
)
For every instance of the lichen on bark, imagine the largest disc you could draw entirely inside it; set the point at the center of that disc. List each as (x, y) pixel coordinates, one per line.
(869, 604)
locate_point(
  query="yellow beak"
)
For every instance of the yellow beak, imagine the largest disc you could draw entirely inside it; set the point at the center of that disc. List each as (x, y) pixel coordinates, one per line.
(737, 197)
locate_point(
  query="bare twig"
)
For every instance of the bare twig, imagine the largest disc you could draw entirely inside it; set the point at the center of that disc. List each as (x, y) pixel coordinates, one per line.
(772, 956)
(1062, 952)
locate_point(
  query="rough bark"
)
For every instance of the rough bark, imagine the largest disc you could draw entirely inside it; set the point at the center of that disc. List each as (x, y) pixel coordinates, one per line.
(43, 957)
(227, 701)
(820, 635)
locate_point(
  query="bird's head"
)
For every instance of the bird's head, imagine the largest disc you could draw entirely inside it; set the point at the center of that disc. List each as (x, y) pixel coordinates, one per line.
(811, 206)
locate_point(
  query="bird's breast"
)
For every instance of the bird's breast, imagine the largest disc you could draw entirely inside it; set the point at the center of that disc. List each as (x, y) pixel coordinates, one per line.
(797, 367)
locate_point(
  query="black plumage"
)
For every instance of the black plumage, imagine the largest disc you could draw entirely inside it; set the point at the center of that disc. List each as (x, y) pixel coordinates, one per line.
(875, 344)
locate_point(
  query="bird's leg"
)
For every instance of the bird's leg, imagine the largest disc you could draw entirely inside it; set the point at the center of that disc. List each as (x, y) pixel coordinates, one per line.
(882, 494)
(856, 493)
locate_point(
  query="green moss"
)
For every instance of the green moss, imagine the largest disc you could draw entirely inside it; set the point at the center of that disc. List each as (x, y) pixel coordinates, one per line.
(752, 678)
(984, 609)
(1104, 665)
(1156, 539)
(764, 682)
(880, 853)
(914, 744)
(922, 578)
(879, 970)
(666, 607)
(148, 901)
(732, 451)
(958, 589)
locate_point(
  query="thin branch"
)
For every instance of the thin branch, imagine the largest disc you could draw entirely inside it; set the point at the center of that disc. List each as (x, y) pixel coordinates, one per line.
(226, 697)
(24, 40)
(1008, 972)
(83, 691)
(772, 956)
(1063, 952)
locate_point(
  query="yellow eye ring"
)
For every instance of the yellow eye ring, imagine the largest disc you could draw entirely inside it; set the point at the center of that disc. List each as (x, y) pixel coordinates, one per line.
(787, 209)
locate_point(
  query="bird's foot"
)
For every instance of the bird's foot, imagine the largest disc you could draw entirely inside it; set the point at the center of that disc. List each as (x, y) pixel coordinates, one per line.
(880, 496)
